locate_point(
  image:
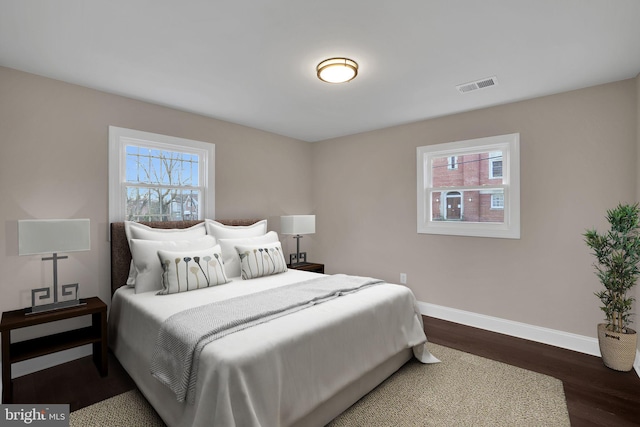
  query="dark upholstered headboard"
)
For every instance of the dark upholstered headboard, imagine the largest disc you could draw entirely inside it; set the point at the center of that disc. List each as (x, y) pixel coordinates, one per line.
(121, 255)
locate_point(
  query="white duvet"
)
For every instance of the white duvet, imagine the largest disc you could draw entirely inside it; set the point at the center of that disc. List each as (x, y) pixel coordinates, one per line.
(276, 373)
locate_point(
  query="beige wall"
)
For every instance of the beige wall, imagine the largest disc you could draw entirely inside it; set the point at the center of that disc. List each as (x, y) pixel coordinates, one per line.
(578, 158)
(53, 164)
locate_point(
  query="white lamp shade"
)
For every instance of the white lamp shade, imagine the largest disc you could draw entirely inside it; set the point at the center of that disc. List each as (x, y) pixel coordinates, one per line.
(53, 235)
(298, 224)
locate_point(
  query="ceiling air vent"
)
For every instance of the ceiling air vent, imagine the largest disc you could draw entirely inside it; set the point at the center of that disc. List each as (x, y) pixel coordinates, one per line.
(478, 84)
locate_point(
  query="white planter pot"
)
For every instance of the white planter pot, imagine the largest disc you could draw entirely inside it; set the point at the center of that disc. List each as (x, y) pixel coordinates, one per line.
(618, 350)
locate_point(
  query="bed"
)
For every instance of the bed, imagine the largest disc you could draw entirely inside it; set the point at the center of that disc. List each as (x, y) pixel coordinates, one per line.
(302, 369)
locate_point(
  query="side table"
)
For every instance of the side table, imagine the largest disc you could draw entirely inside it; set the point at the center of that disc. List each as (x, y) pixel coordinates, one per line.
(308, 266)
(95, 334)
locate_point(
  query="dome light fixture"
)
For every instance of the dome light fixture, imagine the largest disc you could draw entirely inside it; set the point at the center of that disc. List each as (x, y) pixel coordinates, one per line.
(337, 70)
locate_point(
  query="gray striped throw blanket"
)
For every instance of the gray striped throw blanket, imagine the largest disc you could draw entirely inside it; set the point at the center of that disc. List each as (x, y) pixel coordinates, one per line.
(183, 336)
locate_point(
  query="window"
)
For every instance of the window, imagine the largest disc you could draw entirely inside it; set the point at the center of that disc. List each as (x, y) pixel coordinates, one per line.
(481, 197)
(453, 163)
(495, 165)
(159, 178)
(497, 201)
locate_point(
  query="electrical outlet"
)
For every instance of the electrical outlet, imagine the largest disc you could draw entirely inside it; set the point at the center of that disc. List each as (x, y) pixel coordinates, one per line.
(403, 278)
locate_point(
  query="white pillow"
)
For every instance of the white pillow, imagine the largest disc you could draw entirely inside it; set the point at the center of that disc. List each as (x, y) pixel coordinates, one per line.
(230, 256)
(134, 230)
(261, 260)
(189, 270)
(221, 231)
(147, 265)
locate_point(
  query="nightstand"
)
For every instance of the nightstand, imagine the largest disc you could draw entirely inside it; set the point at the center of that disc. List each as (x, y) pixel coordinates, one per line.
(95, 334)
(308, 266)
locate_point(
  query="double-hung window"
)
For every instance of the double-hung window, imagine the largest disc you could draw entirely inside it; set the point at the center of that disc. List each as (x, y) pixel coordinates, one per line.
(480, 197)
(159, 178)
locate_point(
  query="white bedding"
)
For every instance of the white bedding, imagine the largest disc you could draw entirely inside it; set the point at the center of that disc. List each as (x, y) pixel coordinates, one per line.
(276, 373)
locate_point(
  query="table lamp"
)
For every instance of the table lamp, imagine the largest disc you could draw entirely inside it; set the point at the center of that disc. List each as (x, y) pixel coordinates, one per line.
(298, 225)
(52, 236)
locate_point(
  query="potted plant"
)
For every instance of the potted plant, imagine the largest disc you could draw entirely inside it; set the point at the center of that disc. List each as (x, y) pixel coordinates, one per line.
(617, 255)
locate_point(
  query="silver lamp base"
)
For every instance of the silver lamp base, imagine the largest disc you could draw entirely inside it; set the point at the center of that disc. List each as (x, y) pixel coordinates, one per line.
(55, 306)
(70, 290)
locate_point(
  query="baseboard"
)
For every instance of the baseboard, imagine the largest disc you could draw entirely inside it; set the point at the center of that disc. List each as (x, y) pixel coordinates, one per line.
(579, 343)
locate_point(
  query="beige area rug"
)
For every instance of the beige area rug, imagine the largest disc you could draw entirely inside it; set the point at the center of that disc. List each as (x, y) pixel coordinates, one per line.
(463, 390)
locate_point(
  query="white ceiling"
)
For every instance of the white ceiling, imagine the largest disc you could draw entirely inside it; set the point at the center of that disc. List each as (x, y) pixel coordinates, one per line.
(253, 62)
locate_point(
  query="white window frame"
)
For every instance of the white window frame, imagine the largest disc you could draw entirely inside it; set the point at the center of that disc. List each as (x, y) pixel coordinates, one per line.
(510, 147)
(119, 138)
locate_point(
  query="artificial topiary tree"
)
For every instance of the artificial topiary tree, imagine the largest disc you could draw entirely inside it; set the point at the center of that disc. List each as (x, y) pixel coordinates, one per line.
(617, 254)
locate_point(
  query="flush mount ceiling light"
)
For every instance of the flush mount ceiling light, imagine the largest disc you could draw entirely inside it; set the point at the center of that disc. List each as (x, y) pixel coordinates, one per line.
(337, 70)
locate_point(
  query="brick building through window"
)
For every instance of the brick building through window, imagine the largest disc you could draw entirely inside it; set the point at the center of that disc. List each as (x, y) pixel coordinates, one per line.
(470, 170)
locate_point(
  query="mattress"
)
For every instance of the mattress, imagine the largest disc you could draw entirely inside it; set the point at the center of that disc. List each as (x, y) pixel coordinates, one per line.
(277, 373)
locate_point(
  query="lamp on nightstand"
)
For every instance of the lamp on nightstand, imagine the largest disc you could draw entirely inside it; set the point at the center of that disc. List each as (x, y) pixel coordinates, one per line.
(298, 225)
(53, 236)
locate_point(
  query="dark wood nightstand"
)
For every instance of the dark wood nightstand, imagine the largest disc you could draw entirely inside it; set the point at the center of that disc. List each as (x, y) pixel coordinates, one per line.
(308, 266)
(95, 334)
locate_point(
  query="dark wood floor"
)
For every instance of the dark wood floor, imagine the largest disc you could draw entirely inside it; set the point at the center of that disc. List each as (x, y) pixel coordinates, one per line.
(77, 383)
(596, 395)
